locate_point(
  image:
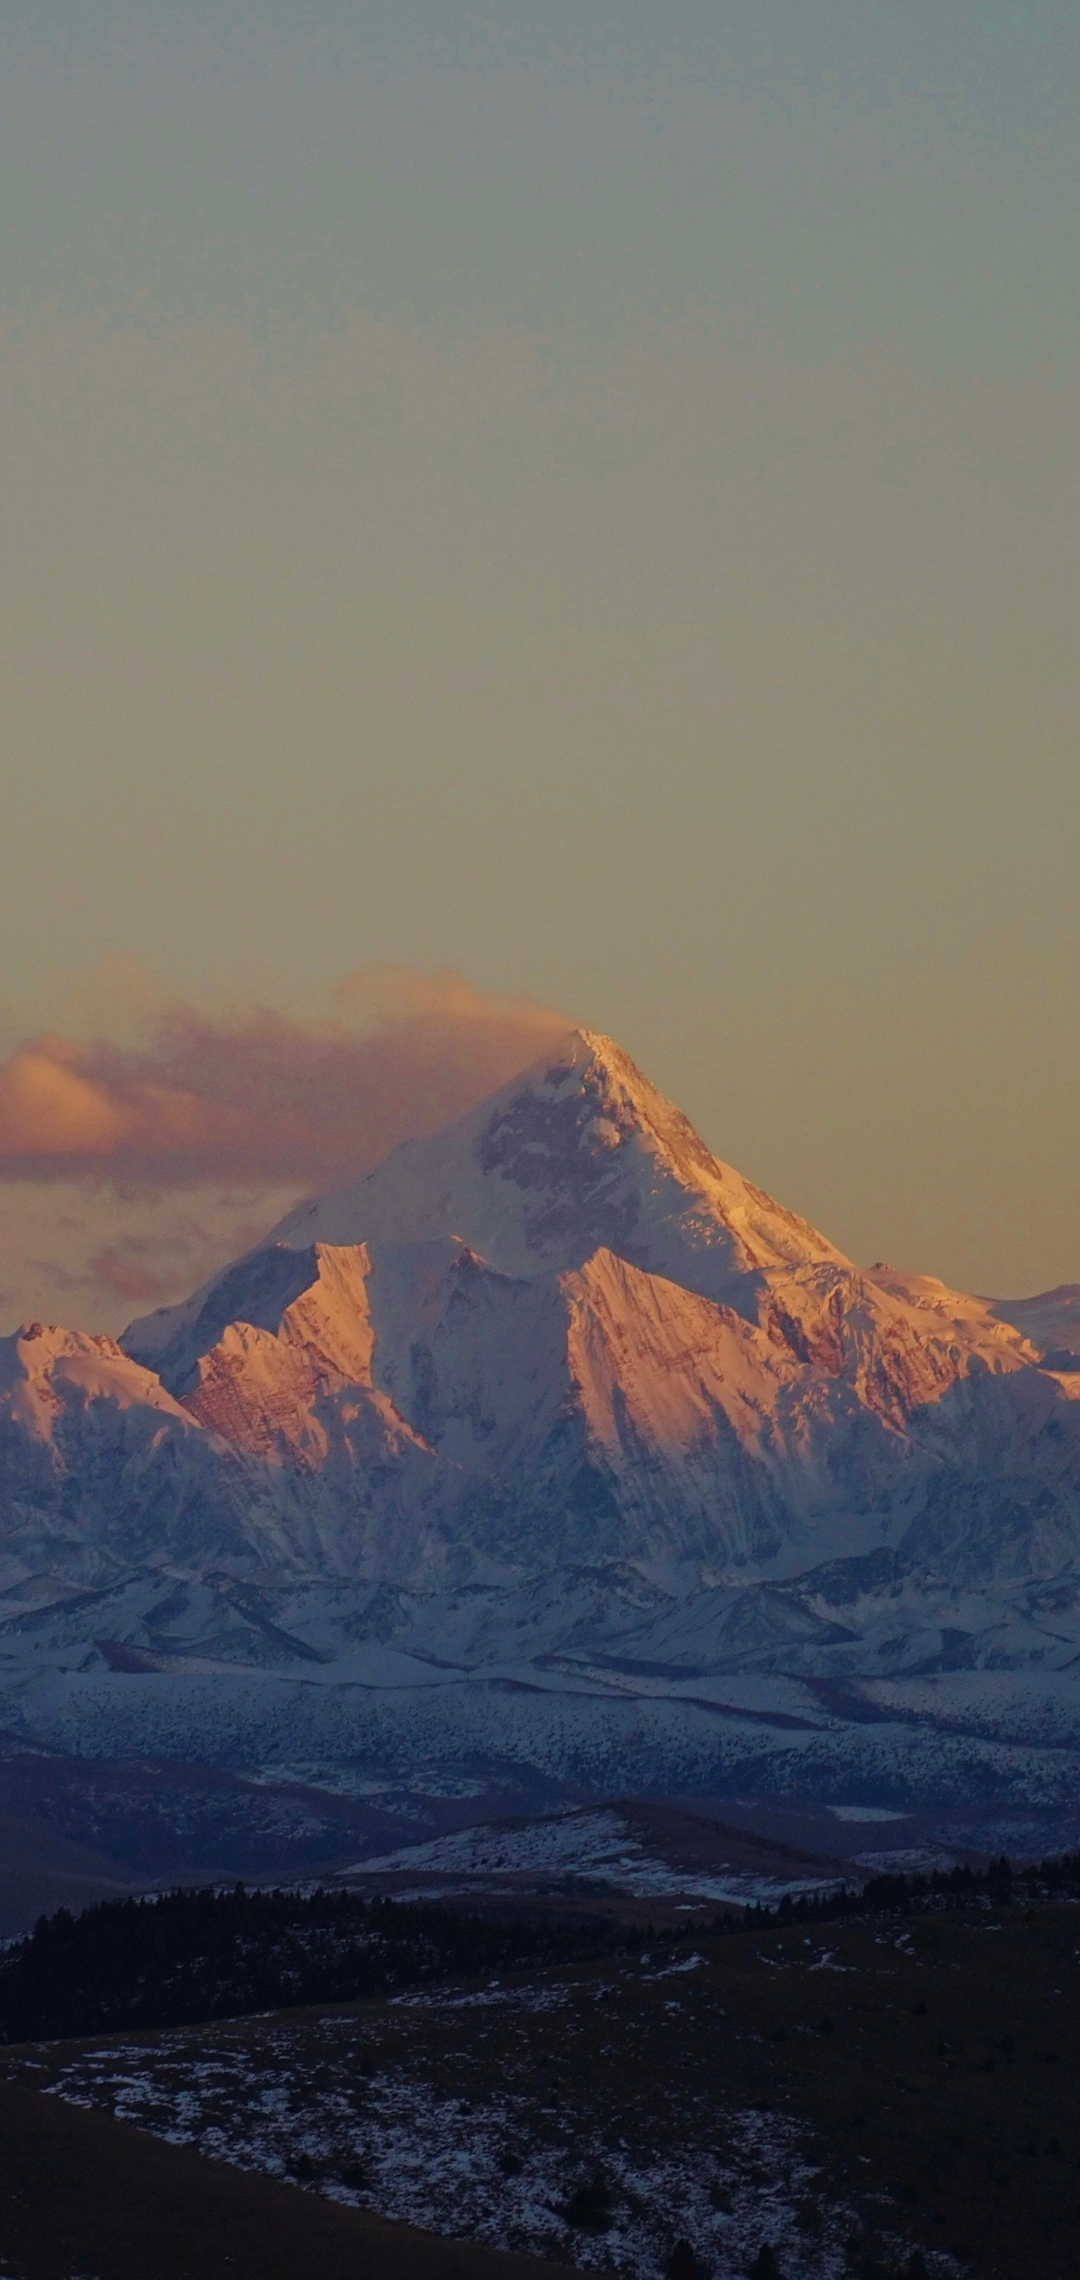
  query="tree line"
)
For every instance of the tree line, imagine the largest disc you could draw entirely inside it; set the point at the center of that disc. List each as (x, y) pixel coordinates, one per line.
(186, 1957)
(183, 1957)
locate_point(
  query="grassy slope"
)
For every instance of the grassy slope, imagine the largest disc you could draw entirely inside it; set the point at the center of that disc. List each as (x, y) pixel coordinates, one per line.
(935, 2058)
(80, 2193)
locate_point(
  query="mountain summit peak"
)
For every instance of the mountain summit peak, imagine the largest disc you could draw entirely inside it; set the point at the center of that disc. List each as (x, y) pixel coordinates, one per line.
(578, 1153)
(596, 1065)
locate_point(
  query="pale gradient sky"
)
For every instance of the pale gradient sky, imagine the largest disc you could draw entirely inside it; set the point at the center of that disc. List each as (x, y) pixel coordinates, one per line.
(589, 499)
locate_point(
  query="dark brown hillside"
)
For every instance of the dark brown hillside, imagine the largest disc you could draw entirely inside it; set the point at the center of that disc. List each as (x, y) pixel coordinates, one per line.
(856, 2097)
(82, 2194)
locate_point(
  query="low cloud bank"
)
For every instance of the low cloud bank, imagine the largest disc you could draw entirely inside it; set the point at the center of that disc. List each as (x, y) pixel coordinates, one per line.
(258, 1096)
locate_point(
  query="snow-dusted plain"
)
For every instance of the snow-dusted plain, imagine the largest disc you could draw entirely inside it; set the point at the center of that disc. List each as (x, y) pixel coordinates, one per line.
(555, 1459)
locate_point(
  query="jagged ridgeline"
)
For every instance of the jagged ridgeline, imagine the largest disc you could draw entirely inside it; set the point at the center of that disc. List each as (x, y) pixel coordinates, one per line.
(556, 1399)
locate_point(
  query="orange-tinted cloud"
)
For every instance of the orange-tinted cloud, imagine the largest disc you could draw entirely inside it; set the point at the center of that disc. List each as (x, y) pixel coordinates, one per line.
(258, 1095)
(114, 1269)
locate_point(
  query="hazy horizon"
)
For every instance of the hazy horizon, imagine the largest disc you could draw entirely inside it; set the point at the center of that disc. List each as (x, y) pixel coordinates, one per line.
(587, 506)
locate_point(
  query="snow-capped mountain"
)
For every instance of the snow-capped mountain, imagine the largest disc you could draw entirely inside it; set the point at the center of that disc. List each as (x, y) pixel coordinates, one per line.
(579, 1154)
(609, 1343)
(557, 1339)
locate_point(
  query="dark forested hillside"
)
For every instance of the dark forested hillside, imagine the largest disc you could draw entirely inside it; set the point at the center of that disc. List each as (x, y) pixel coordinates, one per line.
(190, 1956)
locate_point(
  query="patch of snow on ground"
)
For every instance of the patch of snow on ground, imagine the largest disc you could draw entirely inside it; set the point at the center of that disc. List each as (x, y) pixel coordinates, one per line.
(301, 2103)
(866, 1813)
(597, 1844)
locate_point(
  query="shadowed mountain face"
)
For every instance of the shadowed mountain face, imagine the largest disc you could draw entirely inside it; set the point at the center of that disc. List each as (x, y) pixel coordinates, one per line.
(559, 1337)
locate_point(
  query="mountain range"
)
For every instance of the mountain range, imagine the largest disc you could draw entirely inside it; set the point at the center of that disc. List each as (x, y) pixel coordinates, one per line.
(555, 1452)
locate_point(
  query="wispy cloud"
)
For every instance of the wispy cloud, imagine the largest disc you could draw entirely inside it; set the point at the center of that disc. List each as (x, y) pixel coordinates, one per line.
(144, 1142)
(258, 1095)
